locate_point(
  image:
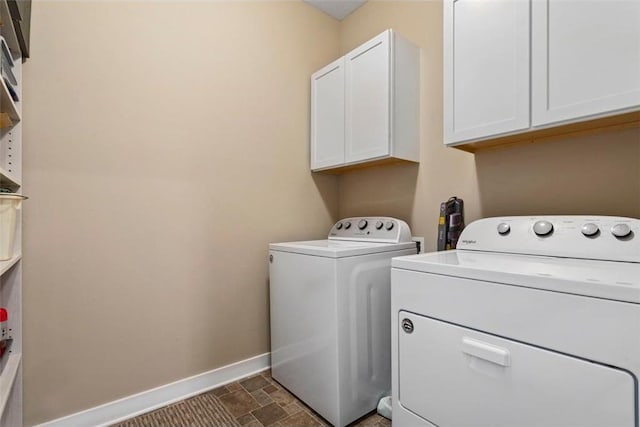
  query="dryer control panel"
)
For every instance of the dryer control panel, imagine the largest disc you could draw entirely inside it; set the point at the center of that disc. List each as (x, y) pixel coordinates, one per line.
(588, 237)
(371, 229)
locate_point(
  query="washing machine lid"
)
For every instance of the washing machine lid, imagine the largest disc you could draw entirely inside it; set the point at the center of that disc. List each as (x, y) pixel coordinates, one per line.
(618, 281)
(339, 248)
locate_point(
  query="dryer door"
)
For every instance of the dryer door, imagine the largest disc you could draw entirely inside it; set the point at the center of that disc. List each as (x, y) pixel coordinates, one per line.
(454, 376)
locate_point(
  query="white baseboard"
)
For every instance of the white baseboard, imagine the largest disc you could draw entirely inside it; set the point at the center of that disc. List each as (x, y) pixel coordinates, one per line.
(140, 403)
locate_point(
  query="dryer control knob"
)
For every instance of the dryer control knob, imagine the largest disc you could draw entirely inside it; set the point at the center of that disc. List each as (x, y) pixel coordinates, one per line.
(347, 225)
(362, 224)
(504, 228)
(379, 225)
(542, 228)
(590, 229)
(621, 230)
(339, 226)
(389, 225)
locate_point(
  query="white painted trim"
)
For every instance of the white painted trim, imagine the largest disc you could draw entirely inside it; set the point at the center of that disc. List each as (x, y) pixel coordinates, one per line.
(140, 403)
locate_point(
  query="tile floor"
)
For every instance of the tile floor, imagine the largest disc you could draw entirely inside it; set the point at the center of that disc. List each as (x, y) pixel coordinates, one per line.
(259, 401)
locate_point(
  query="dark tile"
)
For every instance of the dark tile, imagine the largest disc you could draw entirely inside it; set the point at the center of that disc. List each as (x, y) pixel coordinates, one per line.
(318, 418)
(239, 402)
(282, 397)
(254, 383)
(293, 408)
(266, 374)
(306, 408)
(261, 397)
(385, 422)
(234, 386)
(269, 414)
(219, 391)
(245, 418)
(248, 420)
(301, 419)
(270, 388)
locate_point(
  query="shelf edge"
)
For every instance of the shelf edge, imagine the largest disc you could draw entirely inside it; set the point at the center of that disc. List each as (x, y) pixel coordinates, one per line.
(7, 379)
(6, 99)
(8, 30)
(6, 265)
(7, 177)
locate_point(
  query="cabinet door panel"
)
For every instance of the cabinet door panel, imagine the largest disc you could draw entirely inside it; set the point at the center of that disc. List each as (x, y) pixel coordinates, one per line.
(586, 58)
(327, 116)
(367, 100)
(486, 68)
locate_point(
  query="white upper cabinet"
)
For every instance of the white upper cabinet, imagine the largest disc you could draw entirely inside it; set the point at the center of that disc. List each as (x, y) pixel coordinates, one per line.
(585, 58)
(584, 61)
(327, 120)
(367, 100)
(486, 68)
(365, 106)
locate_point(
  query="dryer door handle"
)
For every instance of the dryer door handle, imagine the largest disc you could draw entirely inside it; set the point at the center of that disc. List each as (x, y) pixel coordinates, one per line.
(485, 351)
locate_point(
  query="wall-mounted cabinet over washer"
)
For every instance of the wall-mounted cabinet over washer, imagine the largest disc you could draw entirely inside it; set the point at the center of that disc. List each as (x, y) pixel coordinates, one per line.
(584, 61)
(365, 105)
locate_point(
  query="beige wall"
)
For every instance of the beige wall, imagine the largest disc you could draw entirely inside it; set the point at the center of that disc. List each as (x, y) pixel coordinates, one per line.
(166, 144)
(596, 174)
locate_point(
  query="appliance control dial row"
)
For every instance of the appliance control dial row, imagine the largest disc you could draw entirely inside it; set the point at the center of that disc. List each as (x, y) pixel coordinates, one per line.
(363, 224)
(544, 228)
(368, 228)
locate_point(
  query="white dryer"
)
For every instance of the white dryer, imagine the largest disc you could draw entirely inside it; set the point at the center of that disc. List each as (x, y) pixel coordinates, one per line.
(330, 310)
(532, 321)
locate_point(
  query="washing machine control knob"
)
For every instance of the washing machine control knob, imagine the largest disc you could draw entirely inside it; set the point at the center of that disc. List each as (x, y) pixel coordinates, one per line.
(504, 228)
(389, 225)
(590, 229)
(339, 226)
(542, 228)
(621, 230)
(379, 225)
(362, 224)
(347, 225)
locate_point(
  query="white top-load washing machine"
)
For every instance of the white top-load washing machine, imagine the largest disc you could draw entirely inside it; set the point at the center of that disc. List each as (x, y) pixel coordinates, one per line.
(532, 321)
(330, 311)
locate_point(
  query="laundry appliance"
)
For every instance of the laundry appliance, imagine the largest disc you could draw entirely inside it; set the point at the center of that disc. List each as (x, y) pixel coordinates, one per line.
(330, 315)
(532, 321)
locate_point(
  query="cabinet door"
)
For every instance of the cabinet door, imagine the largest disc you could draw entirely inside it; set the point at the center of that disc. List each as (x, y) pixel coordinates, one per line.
(586, 58)
(367, 100)
(486, 68)
(327, 116)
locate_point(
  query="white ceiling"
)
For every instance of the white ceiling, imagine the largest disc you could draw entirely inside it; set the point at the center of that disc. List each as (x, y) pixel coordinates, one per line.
(336, 8)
